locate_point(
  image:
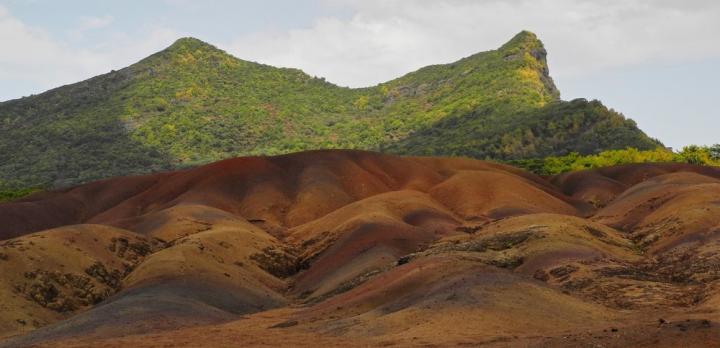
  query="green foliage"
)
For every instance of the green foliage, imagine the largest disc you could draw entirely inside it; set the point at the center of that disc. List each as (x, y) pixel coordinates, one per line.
(193, 103)
(693, 154)
(555, 129)
(714, 152)
(10, 195)
(701, 155)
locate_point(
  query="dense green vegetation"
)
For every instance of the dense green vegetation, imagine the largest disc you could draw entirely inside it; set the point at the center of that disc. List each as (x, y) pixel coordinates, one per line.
(693, 154)
(584, 127)
(193, 103)
(9, 195)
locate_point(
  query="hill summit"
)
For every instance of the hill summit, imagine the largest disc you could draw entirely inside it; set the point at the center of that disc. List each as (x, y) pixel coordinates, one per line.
(193, 103)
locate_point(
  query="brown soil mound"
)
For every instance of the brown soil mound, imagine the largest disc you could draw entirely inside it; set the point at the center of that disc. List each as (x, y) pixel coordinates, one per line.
(353, 248)
(54, 274)
(365, 237)
(600, 186)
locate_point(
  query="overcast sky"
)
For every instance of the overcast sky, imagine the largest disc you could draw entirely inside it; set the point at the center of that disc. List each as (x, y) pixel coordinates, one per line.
(656, 61)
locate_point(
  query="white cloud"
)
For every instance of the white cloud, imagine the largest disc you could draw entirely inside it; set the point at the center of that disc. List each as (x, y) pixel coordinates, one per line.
(386, 38)
(89, 23)
(33, 59)
(383, 39)
(29, 53)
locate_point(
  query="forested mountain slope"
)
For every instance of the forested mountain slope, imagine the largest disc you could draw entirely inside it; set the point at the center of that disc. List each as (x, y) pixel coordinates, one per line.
(193, 103)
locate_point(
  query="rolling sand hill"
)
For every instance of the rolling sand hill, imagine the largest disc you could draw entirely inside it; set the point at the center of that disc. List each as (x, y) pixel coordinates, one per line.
(354, 248)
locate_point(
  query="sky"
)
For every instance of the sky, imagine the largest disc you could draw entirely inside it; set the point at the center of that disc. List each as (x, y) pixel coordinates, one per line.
(655, 61)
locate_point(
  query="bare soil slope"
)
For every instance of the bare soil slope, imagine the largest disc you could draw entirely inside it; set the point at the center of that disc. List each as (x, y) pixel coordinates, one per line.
(352, 248)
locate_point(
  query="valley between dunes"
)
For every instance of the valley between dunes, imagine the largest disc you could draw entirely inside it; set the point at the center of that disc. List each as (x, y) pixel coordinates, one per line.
(354, 248)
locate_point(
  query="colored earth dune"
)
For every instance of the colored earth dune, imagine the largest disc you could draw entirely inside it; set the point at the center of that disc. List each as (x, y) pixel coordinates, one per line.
(354, 248)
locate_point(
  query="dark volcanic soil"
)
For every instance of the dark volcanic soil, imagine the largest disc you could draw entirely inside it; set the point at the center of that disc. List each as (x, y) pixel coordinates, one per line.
(351, 248)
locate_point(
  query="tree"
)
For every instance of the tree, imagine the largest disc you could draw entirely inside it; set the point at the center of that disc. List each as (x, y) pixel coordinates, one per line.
(694, 154)
(715, 152)
(361, 102)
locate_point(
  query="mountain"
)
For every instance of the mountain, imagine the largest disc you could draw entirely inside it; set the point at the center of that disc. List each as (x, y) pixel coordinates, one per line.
(351, 248)
(193, 103)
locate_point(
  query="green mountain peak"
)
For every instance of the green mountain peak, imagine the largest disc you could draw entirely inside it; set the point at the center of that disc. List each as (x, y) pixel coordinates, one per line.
(524, 39)
(526, 46)
(184, 52)
(185, 43)
(193, 103)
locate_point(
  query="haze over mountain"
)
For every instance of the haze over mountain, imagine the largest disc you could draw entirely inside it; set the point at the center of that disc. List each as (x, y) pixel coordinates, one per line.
(192, 103)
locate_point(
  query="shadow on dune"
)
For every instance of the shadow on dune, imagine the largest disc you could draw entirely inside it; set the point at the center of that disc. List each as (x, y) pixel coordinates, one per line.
(154, 307)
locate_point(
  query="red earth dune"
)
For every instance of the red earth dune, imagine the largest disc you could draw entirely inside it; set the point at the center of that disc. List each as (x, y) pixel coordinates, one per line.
(354, 248)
